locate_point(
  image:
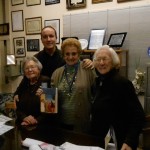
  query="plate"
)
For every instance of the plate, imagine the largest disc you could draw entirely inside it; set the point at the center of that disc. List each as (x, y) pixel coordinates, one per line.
(84, 43)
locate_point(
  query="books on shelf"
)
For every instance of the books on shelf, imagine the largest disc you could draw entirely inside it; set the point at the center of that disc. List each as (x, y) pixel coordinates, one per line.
(49, 100)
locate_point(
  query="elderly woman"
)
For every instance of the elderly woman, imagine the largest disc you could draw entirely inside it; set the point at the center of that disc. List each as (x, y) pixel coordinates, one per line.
(27, 95)
(116, 104)
(74, 86)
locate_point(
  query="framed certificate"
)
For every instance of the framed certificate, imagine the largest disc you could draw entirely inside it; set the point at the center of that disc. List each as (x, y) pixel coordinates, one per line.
(116, 39)
(96, 39)
(33, 25)
(17, 20)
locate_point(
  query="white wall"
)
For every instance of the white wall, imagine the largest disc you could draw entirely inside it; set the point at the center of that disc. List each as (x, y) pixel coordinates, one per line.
(48, 12)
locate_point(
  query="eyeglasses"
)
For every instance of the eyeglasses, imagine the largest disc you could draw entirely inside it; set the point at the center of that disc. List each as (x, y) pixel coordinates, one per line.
(104, 59)
(30, 68)
(70, 54)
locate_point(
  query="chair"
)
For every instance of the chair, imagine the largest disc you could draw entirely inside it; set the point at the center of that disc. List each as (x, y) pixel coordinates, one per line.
(10, 108)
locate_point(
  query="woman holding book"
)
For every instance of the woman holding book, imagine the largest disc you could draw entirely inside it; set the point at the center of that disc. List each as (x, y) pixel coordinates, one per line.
(74, 88)
(27, 95)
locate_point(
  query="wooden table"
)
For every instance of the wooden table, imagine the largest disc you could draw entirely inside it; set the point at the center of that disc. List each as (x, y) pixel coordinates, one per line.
(11, 140)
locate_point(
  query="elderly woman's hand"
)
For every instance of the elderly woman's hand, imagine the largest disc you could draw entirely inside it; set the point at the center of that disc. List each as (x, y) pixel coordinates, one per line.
(88, 64)
(16, 98)
(39, 92)
(29, 120)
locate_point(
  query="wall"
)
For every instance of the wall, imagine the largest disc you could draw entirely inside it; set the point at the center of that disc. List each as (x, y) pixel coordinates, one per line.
(55, 11)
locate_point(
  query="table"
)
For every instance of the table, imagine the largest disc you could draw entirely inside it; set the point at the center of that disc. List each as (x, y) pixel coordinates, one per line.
(11, 140)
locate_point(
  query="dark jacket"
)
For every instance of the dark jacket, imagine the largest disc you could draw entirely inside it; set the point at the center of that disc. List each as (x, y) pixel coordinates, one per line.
(29, 103)
(116, 104)
(50, 63)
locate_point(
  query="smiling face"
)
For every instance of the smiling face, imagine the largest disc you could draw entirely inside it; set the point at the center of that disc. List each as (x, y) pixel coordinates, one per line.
(71, 55)
(31, 70)
(48, 37)
(103, 61)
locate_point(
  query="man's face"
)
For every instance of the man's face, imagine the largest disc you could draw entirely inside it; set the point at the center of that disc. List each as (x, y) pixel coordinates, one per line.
(103, 62)
(48, 38)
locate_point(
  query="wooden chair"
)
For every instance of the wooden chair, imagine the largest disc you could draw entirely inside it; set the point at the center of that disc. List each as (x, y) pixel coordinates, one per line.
(10, 106)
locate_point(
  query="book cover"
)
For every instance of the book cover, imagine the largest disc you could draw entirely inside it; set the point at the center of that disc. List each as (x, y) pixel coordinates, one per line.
(49, 100)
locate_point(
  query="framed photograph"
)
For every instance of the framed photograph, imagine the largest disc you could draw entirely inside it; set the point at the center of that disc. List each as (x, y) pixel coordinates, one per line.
(4, 29)
(71, 4)
(100, 1)
(17, 2)
(33, 2)
(55, 23)
(19, 47)
(10, 59)
(33, 45)
(96, 39)
(33, 25)
(17, 21)
(50, 2)
(116, 39)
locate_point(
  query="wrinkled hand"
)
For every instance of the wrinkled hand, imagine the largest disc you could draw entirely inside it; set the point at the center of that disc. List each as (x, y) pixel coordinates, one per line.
(126, 147)
(16, 98)
(88, 64)
(30, 120)
(39, 92)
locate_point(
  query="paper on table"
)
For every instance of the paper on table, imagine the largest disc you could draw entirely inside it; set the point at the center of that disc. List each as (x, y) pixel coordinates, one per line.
(33, 144)
(4, 119)
(4, 128)
(70, 146)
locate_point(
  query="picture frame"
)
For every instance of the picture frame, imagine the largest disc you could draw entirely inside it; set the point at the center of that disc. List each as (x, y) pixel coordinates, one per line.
(50, 2)
(116, 39)
(100, 1)
(33, 25)
(78, 4)
(33, 45)
(4, 29)
(17, 2)
(55, 23)
(33, 2)
(19, 47)
(96, 39)
(10, 59)
(17, 21)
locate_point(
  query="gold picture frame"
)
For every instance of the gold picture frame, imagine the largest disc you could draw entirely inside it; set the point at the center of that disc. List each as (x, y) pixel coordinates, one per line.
(33, 25)
(32, 3)
(17, 2)
(78, 4)
(100, 1)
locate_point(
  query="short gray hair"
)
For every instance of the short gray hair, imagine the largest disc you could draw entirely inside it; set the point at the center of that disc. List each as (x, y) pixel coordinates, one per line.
(114, 55)
(27, 59)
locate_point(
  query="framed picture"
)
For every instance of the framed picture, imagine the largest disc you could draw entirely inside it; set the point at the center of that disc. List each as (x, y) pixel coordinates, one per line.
(71, 4)
(33, 25)
(50, 2)
(96, 39)
(116, 39)
(19, 47)
(33, 45)
(17, 20)
(55, 23)
(33, 2)
(100, 1)
(4, 29)
(17, 2)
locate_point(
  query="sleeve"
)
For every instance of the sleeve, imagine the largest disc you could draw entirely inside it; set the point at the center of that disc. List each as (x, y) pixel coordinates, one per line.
(137, 116)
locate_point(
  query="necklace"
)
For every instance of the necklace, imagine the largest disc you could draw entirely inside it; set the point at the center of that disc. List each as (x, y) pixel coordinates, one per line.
(70, 73)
